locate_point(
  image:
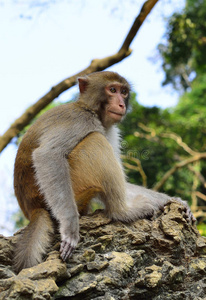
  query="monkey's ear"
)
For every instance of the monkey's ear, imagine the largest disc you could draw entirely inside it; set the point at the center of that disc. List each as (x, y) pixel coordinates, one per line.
(83, 82)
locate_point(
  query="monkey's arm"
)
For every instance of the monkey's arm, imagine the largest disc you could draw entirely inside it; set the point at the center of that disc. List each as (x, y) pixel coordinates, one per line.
(53, 178)
(95, 170)
(147, 202)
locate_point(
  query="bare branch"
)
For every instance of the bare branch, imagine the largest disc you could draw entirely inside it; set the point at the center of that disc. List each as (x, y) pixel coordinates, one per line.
(196, 156)
(171, 135)
(179, 141)
(194, 205)
(178, 166)
(137, 168)
(96, 65)
(31, 112)
(201, 195)
(198, 175)
(146, 8)
(194, 187)
(199, 214)
(147, 129)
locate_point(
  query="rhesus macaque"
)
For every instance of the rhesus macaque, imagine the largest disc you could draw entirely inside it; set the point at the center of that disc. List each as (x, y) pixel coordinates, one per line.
(70, 155)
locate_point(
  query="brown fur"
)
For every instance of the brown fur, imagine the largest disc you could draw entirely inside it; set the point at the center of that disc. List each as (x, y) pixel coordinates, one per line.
(92, 172)
(47, 185)
(27, 253)
(67, 157)
(95, 171)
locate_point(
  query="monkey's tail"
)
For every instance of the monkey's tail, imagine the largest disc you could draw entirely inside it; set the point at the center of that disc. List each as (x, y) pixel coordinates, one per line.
(34, 241)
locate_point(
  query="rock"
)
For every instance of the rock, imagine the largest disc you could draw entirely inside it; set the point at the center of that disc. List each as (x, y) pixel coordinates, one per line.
(163, 258)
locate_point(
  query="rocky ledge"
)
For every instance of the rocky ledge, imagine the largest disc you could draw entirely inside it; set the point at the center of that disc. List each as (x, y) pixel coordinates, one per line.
(162, 258)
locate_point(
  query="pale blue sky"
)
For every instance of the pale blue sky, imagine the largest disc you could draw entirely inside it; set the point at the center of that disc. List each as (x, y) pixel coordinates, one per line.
(44, 46)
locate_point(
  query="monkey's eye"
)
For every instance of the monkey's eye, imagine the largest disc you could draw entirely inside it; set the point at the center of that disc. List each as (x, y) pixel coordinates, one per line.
(113, 90)
(124, 91)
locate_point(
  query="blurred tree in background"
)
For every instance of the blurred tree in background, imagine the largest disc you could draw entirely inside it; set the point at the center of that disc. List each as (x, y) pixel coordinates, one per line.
(184, 51)
(171, 138)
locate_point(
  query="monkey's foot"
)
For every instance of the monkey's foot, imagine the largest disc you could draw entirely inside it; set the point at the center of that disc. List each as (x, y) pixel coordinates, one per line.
(189, 215)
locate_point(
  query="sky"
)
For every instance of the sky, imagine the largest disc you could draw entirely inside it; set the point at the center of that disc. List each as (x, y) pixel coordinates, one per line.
(43, 45)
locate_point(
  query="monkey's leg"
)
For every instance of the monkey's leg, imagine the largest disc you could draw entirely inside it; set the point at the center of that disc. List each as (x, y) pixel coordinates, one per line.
(147, 201)
(95, 169)
(25, 186)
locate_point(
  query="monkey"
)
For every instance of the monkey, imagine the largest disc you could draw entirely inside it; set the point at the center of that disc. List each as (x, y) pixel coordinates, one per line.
(70, 155)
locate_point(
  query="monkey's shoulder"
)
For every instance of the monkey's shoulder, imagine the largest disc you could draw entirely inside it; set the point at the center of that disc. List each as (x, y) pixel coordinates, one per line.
(66, 124)
(65, 114)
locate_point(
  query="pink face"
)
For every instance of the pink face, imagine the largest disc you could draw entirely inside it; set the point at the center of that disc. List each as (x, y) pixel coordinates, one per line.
(116, 107)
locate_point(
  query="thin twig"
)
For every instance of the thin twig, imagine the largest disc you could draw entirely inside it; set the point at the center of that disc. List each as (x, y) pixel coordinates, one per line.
(199, 175)
(137, 168)
(170, 135)
(201, 195)
(178, 166)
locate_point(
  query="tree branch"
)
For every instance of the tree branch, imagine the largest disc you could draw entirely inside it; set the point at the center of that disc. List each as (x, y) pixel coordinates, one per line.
(198, 175)
(137, 168)
(176, 167)
(199, 214)
(146, 8)
(170, 135)
(195, 157)
(96, 65)
(179, 141)
(201, 195)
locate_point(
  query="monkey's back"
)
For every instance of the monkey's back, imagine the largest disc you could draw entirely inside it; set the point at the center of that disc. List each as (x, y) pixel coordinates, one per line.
(58, 124)
(25, 187)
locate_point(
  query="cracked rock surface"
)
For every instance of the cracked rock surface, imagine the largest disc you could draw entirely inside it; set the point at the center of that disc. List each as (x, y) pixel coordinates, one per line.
(163, 258)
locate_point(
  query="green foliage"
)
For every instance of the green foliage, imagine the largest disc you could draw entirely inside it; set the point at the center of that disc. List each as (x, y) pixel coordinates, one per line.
(184, 51)
(19, 219)
(190, 113)
(202, 228)
(154, 155)
(186, 120)
(184, 64)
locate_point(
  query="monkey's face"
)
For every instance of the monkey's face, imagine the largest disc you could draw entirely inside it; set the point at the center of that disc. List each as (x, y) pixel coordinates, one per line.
(115, 108)
(107, 93)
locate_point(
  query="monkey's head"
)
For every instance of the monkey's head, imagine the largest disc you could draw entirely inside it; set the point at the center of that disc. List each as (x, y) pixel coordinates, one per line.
(106, 93)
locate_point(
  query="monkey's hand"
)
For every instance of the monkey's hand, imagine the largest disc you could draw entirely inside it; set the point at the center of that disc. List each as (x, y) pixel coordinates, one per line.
(188, 214)
(69, 240)
(67, 247)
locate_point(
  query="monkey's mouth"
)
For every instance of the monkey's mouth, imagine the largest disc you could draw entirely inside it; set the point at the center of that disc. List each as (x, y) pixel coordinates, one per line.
(119, 114)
